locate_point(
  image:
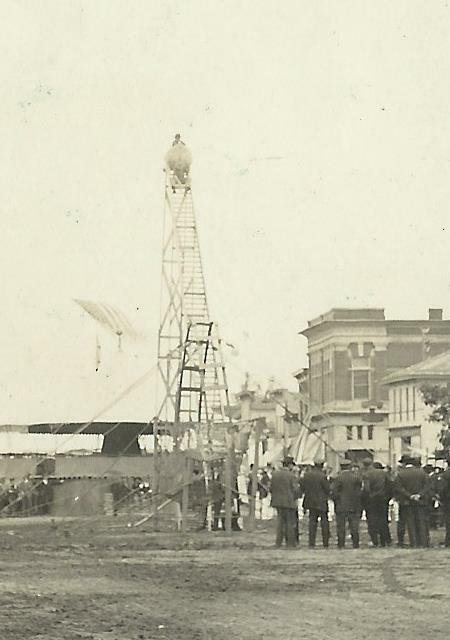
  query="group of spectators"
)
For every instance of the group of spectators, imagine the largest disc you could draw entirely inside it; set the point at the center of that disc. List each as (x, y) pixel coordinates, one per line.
(26, 497)
(129, 491)
(421, 496)
(33, 496)
(418, 496)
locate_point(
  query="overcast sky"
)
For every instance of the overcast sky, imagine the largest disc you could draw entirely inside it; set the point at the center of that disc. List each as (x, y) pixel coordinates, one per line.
(320, 133)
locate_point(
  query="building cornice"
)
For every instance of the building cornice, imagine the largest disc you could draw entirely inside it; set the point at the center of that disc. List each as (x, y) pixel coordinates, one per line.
(398, 377)
(386, 324)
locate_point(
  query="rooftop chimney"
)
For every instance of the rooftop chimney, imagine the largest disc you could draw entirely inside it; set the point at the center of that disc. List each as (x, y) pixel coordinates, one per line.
(434, 314)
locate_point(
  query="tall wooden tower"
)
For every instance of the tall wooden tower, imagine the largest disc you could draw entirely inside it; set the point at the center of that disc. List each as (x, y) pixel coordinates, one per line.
(190, 365)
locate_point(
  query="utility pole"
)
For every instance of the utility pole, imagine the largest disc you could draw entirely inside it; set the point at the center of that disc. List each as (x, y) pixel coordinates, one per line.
(285, 438)
(187, 473)
(156, 472)
(426, 343)
(230, 477)
(259, 426)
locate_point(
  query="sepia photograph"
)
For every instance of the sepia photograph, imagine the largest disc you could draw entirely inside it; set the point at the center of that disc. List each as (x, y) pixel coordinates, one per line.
(225, 327)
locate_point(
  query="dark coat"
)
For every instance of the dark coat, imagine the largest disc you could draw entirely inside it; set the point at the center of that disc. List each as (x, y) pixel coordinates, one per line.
(250, 484)
(389, 486)
(216, 490)
(264, 485)
(316, 489)
(410, 481)
(375, 484)
(443, 488)
(284, 488)
(346, 489)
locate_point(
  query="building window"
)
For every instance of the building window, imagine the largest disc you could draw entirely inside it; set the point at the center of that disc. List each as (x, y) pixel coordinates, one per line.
(407, 403)
(349, 433)
(414, 403)
(315, 367)
(327, 375)
(361, 384)
(360, 432)
(400, 402)
(362, 360)
(370, 432)
(394, 396)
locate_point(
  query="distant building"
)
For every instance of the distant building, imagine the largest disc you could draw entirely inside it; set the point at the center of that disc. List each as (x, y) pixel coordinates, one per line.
(409, 427)
(280, 408)
(302, 377)
(350, 352)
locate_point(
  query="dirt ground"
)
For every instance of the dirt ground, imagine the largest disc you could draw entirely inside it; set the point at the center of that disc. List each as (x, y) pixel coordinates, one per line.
(101, 580)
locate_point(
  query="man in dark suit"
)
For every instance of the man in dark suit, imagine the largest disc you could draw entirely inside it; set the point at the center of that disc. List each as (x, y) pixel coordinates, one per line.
(401, 522)
(316, 490)
(285, 493)
(443, 489)
(412, 489)
(346, 490)
(375, 491)
(389, 496)
(217, 497)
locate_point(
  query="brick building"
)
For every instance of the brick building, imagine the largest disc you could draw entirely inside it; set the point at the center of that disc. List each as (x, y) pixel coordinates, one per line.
(350, 352)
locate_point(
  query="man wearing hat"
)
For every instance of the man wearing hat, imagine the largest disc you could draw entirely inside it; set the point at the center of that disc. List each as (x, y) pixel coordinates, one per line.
(412, 489)
(443, 488)
(389, 495)
(375, 492)
(285, 493)
(347, 497)
(316, 491)
(401, 522)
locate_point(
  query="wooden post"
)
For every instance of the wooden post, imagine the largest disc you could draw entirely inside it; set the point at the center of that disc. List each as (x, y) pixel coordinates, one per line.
(187, 478)
(285, 437)
(207, 477)
(260, 423)
(156, 473)
(228, 489)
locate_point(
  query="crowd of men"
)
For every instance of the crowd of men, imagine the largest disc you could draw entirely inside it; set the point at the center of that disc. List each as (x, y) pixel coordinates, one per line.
(421, 496)
(420, 493)
(33, 496)
(25, 497)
